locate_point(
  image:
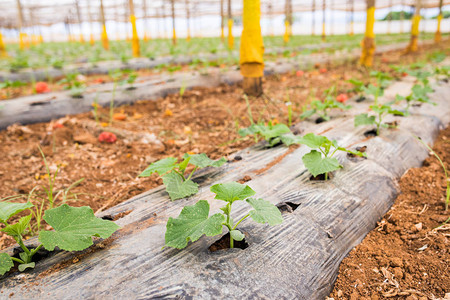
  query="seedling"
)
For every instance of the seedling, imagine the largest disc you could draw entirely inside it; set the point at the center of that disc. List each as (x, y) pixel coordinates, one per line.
(419, 94)
(73, 227)
(322, 108)
(383, 79)
(194, 220)
(273, 134)
(357, 86)
(173, 174)
(320, 160)
(447, 197)
(381, 111)
(130, 78)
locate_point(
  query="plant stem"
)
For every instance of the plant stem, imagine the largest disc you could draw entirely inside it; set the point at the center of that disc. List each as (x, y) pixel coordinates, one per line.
(17, 260)
(33, 252)
(326, 176)
(190, 175)
(22, 245)
(245, 217)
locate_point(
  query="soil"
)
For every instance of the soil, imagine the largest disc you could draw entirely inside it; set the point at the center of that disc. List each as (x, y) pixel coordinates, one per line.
(407, 256)
(202, 120)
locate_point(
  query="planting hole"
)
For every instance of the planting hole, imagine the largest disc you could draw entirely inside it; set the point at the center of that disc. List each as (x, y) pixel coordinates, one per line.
(287, 207)
(321, 177)
(360, 99)
(40, 255)
(370, 133)
(224, 243)
(354, 157)
(320, 120)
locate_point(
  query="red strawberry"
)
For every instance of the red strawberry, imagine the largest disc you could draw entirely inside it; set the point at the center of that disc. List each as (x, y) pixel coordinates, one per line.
(107, 137)
(41, 87)
(342, 98)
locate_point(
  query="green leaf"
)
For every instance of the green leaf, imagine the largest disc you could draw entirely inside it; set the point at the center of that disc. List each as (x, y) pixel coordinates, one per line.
(6, 263)
(23, 267)
(17, 229)
(364, 119)
(74, 228)
(265, 212)
(161, 167)
(191, 224)
(232, 191)
(307, 114)
(313, 141)
(316, 164)
(237, 235)
(290, 139)
(251, 130)
(177, 187)
(9, 209)
(274, 131)
(202, 160)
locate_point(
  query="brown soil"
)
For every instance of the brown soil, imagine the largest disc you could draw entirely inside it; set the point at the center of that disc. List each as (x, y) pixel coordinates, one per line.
(203, 120)
(406, 256)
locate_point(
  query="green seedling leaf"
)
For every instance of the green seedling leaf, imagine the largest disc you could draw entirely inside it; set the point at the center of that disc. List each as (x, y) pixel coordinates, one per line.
(317, 165)
(364, 119)
(177, 187)
(161, 167)
(74, 228)
(290, 139)
(313, 141)
(9, 209)
(232, 191)
(277, 130)
(202, 160)
(6, 263)
(191, 224)
(23, 267)
(16, 230)
(265, 212)
(308, 114)
(237, 235)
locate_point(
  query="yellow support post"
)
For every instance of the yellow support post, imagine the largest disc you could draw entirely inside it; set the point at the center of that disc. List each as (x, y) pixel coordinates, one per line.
(77, 6)
(105, 40)
(91, 28)
(412, 47)
(146, 34)
(368, 44)
(188, 21)
(252, 48)
(437, 35)
(3, 52)
(313, 26)
(352, 15)
(287, 21)
(135, 38)
(174, 32)
(324, 7)
(230, 27)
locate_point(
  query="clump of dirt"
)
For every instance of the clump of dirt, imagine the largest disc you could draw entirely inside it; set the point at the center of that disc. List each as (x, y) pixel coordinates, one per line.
(407, 256)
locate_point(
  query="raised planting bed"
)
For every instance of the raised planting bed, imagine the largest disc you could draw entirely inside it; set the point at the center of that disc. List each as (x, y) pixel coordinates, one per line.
(45, 107)
(323, 221)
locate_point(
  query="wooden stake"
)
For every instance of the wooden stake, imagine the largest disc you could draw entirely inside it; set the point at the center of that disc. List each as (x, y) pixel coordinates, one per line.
(105, 40)
(412, 47)
(368, 44)
(230, 27)
(222, 22)
(437, 35)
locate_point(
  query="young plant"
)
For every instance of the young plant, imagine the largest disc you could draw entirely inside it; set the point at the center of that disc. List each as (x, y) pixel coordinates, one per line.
(73, 227)
(383, 79)
(321, 108)
(358, 87)
(273, 134)
(194, 220)
(381, 112)
(130, 79)
(447, 194)
(320, 160)
(177, 185)
(419, 94)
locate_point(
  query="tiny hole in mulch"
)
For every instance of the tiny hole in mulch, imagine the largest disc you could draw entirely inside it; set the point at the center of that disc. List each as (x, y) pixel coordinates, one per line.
(224, 243)
(78, 96)
(287, 207)
(245, 179)
(370, 133)
(417, 105)
(131, 88)
(237, 158)
(361, 99)
(320, 120)
(117, 216)
(355, 157)
(321, 177)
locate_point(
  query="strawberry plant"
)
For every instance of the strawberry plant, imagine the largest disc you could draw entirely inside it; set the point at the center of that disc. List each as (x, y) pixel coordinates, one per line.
(321, 108)
(381, 112)
(73, 227)
(320, 160)
(194, 220)
(173, 173)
